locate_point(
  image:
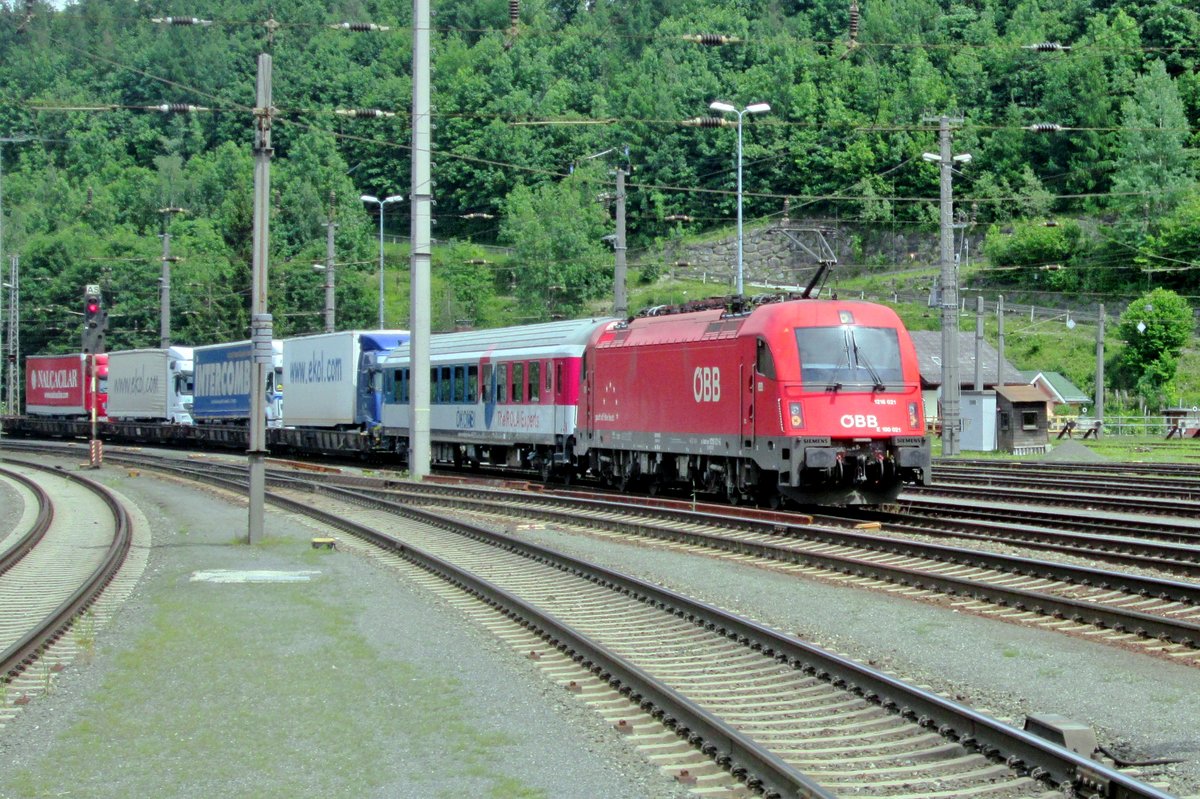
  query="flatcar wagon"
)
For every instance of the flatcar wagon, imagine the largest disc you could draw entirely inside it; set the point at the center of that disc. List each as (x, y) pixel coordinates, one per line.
(505, 397)
(818, 401)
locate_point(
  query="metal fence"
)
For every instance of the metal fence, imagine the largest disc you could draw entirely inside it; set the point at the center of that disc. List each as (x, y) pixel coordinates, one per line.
(1147, 426)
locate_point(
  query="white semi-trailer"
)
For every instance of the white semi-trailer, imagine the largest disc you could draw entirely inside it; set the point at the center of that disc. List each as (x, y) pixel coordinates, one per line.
(150, 385)
(332, 381)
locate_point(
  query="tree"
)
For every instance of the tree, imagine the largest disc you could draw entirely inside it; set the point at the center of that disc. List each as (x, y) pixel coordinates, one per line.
(1152, 164)
(1036, 249)
(1155, 327)
(1174, 251)
(555, 231)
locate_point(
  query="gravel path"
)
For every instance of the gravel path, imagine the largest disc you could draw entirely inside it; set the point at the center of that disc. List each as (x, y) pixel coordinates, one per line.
(347, 684)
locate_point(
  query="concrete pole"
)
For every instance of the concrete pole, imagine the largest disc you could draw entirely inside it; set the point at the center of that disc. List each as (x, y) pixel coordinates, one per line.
(951, 390)
(422, 202)
(14, 334)
(164, 294)
(620, 301)
(1099, 409)
(330, 227)
(260, 320)
(1000, 345)
(381, 207)
(738, 287)
(979, 343)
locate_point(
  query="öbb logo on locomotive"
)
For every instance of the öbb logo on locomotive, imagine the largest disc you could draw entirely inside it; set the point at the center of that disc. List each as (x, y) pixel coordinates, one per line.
(706, 384)
(852, 420)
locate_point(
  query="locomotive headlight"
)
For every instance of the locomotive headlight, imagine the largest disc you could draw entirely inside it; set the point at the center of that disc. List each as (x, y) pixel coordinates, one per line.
(796, 412)
(913, 421)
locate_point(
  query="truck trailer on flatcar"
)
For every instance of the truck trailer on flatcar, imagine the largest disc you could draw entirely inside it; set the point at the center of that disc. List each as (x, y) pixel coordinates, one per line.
(60, 386)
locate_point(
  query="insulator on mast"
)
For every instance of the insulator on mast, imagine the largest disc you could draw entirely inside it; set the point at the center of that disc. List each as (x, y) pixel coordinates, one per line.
(360, 26)
(710, 39)
(1047, 47)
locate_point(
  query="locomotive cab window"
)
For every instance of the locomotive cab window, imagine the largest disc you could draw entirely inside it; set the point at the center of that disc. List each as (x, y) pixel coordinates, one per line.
(764, 362)
(849, 356)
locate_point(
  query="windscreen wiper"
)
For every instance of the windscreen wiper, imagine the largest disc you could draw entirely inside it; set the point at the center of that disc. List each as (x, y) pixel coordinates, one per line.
(845, 361)
(861, 359)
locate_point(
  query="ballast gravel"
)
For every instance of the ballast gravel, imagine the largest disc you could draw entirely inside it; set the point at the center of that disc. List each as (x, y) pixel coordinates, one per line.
(406, 714)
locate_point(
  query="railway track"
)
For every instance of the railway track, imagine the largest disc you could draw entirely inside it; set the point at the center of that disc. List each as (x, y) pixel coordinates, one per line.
(55, 568)
(1158, 615)
(717, 699)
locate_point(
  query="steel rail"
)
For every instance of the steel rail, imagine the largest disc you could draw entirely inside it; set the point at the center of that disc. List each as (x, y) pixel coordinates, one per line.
(24, 652)
(1020, 750)
(1080, 611)
(45, 516)
(741, 756)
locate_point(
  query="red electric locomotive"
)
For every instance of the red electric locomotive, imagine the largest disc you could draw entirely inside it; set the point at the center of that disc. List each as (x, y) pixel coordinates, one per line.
(818, 401)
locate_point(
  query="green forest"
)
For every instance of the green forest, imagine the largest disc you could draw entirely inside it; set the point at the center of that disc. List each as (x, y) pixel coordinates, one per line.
(1079, 116)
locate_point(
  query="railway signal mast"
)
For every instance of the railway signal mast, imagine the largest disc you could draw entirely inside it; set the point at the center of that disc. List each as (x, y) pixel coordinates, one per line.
(95, 323)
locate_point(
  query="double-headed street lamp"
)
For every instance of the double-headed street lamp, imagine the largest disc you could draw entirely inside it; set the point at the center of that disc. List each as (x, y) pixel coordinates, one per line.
(726, 108)
(367, 198)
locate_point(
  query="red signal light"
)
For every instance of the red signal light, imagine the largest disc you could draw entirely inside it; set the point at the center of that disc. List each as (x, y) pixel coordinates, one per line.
(93, 306)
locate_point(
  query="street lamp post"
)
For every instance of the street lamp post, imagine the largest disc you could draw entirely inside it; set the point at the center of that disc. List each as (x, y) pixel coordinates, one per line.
(367, 198)
(726, 108)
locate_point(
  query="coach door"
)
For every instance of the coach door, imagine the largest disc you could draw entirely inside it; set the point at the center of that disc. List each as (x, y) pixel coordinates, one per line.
(586, 380)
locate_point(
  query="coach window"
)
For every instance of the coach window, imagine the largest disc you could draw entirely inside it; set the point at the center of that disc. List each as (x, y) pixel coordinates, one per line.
(403, 385)
(502, 382)
(549, 379)
(487, 382)
(518, 384)
(434, 384)
(460, 385)
(389, 386)
(534, 374)
(764, 363)
(472, 384)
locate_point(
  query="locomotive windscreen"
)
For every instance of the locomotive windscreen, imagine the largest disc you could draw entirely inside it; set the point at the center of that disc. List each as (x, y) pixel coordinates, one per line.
(849, 356)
